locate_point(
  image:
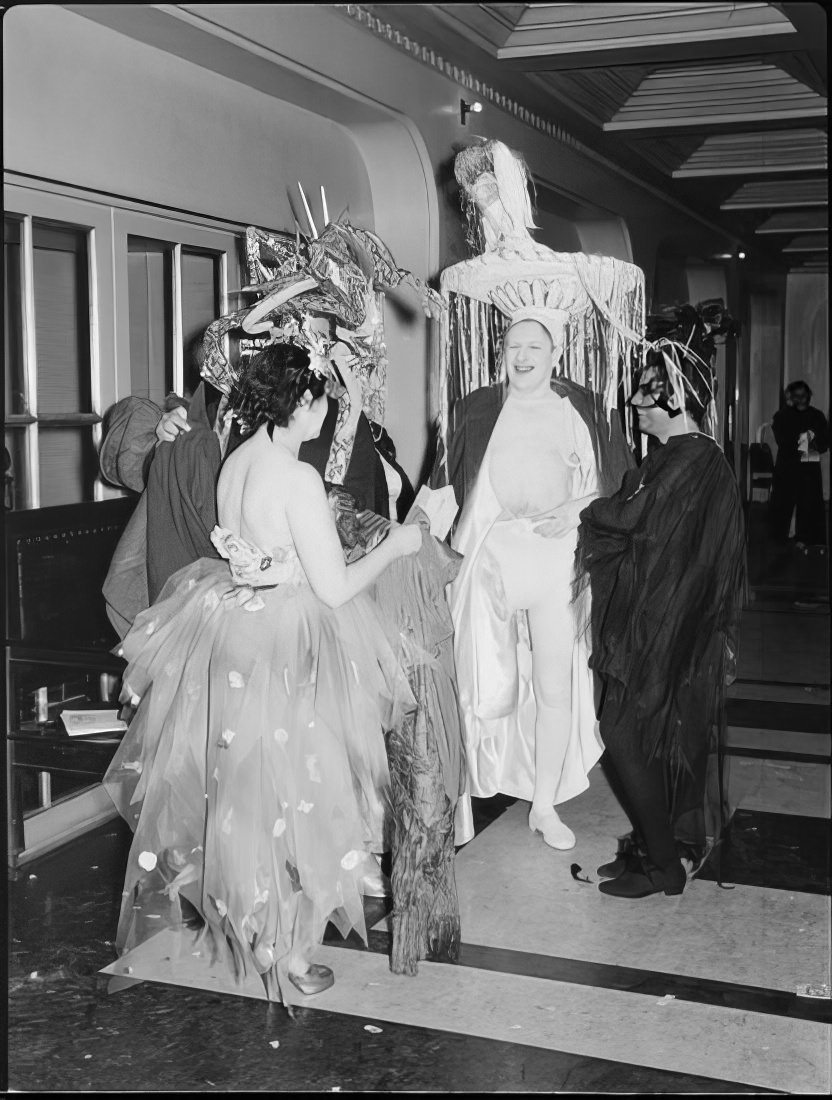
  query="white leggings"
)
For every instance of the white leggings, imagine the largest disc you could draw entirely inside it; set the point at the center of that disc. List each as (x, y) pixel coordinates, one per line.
(537, 576)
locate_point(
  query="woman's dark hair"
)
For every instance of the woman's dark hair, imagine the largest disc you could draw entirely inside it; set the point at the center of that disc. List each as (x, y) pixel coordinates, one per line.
(793, 388)
(272, 384)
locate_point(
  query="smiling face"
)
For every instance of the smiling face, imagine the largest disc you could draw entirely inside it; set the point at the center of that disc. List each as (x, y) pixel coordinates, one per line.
(529, 357)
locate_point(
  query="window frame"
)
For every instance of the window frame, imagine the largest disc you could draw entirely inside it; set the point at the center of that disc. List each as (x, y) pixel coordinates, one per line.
(130, 223)
(29, 206)
(107, 221)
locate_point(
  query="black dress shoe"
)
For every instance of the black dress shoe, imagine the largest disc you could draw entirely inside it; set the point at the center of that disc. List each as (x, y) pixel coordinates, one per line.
(627, 848)
(641, 883)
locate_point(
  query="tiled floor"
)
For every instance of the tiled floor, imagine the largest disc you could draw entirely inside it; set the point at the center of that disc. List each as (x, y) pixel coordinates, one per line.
(558, 988)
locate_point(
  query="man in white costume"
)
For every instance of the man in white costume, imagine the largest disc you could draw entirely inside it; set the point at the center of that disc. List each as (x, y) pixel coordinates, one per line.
(526, 452)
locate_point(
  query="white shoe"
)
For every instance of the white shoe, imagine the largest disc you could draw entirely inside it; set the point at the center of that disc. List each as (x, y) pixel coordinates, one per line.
(555, 833)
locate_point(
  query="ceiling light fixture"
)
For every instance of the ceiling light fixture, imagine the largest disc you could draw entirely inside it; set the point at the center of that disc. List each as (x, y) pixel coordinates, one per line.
(466, 108)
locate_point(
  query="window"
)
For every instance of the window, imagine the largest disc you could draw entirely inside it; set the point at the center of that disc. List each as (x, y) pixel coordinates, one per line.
(174, 293)
(49, 415)
(100, 301)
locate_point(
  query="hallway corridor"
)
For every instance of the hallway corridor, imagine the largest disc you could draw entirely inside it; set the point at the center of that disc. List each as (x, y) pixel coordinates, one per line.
(559, 988)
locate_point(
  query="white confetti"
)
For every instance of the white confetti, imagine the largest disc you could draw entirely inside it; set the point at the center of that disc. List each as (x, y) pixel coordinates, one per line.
(135, 700)
(515, 1027)
(133, 766)
(281, 736)
(351, 859)
(313, 769)
(147, 861)
(373, 1030)
(87, 1056)
(32, 877)
(34, 974)
(279, 827)
(216, 775)
(151, 627)
(274, 1044)
(235, 679)
(286, 680)
(311, 724)
(305, 807)
(228, 736)
(668, 997)
(222, 908)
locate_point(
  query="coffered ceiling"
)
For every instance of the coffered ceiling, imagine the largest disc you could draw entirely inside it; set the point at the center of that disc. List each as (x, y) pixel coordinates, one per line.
(722, 105)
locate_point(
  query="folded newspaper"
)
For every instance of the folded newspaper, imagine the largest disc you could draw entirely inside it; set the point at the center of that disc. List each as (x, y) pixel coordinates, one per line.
(85, 723)
(439, 505)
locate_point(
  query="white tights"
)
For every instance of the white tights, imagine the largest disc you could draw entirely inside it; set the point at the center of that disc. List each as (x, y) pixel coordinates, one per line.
(537, 576)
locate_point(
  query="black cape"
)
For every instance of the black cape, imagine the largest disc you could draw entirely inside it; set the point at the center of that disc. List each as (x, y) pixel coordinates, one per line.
(665, 557)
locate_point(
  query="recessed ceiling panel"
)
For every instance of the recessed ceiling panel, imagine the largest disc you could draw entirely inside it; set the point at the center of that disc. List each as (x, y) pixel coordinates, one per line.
(559, 28)
(765, 193)
(715, 94)
(809, 242)
(796, 221)
(759, 153)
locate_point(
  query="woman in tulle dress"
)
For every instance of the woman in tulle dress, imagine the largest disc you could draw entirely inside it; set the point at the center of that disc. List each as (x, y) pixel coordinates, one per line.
(254, 771)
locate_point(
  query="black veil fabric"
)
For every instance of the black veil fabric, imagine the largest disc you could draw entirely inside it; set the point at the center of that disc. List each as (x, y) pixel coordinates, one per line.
(665, 557)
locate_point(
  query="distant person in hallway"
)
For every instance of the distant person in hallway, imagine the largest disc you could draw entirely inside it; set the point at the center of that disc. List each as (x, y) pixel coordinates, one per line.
(665, 559)
(802, 435)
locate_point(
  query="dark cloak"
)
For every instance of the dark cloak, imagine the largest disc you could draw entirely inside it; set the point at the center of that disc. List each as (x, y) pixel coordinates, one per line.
(182, 498)
(665, 557)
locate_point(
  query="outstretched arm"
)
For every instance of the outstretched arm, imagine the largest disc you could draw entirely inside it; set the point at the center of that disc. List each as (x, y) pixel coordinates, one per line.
(314, 535)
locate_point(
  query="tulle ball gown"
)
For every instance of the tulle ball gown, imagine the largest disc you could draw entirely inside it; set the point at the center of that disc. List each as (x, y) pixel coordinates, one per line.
(253, 772)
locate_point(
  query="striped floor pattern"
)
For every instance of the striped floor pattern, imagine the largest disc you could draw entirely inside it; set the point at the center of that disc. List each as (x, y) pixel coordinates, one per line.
(576, 991)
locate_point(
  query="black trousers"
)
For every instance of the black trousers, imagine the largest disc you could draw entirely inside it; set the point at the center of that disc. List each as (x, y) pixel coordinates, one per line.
(662, 807)
(797, 488)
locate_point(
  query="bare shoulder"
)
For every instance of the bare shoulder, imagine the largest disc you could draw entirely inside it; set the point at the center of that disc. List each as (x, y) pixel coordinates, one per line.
(305, 476)
(303, 484)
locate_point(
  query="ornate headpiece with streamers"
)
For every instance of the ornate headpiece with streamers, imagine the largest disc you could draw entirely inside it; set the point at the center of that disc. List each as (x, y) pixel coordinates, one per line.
(681, 343)
(339, 274)
(593, 306)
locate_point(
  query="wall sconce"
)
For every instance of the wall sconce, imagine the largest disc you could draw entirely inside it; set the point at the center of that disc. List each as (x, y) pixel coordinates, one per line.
(466, 109)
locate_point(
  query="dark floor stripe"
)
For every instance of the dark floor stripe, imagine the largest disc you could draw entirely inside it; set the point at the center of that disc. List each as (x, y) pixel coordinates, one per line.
(777, 754)
(196, 1041)
(776, 715)
(786, 683)
(625, 979)
(776, 851)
